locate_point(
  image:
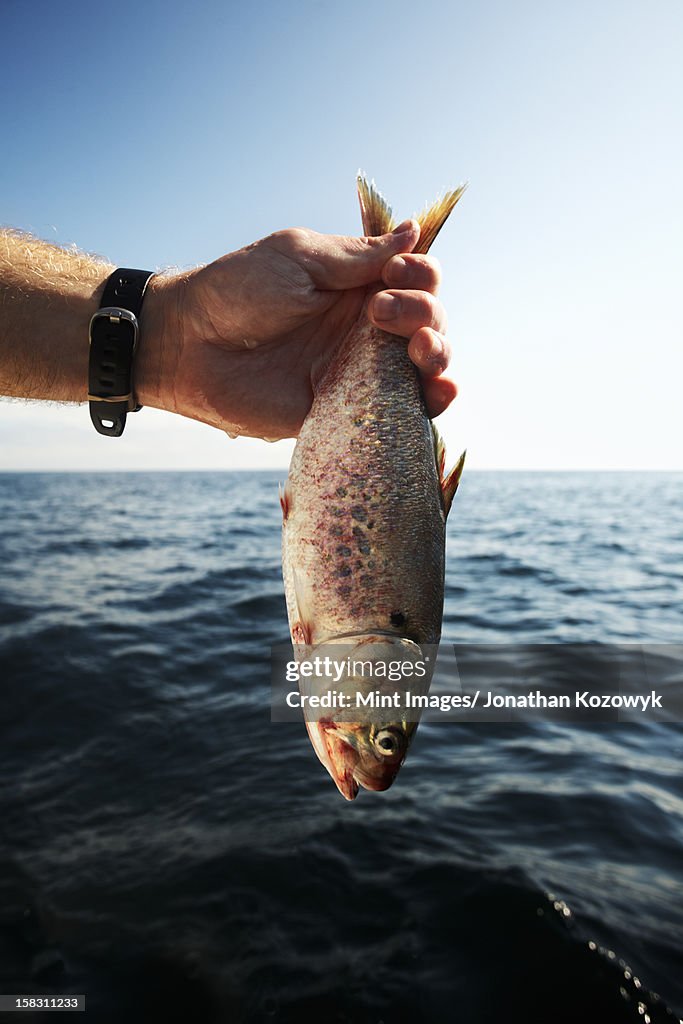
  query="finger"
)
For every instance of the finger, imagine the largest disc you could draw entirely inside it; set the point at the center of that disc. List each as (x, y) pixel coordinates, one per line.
(413, 271)
(430, 351)
(337, 262)
(404, 312)
(439, 392)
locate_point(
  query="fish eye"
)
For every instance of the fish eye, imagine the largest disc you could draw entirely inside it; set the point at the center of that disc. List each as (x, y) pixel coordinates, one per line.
(387, 743)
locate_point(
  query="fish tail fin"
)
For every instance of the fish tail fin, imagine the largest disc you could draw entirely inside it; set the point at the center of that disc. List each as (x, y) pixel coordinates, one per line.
(375, 210)
(433, 218)
(378, 218)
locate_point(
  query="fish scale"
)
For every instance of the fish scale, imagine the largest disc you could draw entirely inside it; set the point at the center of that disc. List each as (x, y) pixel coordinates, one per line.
(363, 499)
(364, 514)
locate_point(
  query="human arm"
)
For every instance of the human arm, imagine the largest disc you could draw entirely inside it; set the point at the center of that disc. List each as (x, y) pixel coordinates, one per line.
(47, 297)
(237, 343)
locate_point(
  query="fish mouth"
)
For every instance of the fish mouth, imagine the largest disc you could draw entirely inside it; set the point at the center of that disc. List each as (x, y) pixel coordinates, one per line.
(341, 761)
(347, 786)
(375, 783)
(346, 764)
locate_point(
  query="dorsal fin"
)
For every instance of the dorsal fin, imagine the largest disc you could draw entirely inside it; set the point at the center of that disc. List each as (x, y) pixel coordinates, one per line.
(448, 483)
(439, 451)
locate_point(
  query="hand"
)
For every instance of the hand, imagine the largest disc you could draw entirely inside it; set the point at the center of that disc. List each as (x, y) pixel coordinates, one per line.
(244, 339)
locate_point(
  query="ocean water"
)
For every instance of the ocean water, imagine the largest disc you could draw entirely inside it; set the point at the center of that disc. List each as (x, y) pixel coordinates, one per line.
(170, 853)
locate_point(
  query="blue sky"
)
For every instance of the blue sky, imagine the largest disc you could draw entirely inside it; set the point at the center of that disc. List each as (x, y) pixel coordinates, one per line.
(165, 134)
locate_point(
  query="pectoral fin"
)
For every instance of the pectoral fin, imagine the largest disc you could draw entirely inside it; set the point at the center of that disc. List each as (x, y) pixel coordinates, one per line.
(302, 628)
(284, 499)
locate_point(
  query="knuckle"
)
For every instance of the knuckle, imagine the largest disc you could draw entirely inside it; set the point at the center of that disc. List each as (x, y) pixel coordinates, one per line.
(439, 318)
(292, 240)
(364, 243)
(427, 310)
(429, 271)
(433, 268)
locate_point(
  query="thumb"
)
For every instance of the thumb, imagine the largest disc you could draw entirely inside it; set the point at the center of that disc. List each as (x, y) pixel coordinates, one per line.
(343, 261)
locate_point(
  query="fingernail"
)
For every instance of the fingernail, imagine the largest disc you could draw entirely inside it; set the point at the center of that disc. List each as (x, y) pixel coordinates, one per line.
(386, 307)
(398, 270)
(404, 228)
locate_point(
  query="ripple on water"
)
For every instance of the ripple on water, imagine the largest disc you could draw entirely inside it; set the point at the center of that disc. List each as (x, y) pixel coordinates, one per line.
(165, 837)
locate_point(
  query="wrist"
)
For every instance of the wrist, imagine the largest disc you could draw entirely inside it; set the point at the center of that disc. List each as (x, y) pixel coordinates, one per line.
(156, 358)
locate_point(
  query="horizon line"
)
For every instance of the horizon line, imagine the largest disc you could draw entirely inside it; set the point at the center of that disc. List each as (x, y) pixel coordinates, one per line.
(285, 469)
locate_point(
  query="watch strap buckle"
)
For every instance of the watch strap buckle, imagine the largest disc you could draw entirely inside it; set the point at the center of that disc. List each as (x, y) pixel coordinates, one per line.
(113, 339)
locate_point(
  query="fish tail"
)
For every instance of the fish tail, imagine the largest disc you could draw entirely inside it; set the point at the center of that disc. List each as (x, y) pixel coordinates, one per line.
(375, 211)
(433, 218)
(378, 218)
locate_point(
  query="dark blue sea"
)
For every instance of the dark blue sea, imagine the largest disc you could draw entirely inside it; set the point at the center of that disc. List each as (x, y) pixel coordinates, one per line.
(174, 855)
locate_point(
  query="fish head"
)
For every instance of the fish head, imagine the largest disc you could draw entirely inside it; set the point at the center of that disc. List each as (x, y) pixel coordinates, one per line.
(367, 752)
(356, 754)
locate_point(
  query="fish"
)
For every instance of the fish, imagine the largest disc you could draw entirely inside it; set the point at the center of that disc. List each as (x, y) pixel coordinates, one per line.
(364, 515)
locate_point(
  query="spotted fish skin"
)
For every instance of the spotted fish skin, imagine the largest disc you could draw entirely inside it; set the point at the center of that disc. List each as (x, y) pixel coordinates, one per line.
(366, 500)
(364, 532)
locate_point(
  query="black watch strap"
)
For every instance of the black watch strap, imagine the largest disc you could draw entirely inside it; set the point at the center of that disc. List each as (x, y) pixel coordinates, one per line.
(114, 331)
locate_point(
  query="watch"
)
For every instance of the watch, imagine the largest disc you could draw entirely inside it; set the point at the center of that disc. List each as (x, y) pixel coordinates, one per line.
(114, 333)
